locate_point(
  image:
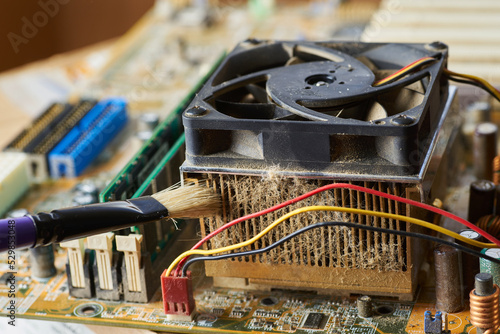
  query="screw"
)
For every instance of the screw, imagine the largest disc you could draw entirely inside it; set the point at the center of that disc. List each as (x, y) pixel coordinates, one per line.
(437, 46)
(196, 111)
(321, 83)
(402, 120)
(253, 41)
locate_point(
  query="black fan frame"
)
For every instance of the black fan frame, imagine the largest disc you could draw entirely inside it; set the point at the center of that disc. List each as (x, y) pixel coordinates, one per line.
(396, 145)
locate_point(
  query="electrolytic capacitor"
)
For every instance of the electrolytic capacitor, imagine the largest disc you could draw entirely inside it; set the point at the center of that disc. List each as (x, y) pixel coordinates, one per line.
(470, 263)
(42, 262)
(496, 170)
(364, 304)
(146, 125)
(497, 199)
(486, 266)
(449, 292)
(475, 113)
(148, 121)
(479, 112)
(481, 200)
(485, 150)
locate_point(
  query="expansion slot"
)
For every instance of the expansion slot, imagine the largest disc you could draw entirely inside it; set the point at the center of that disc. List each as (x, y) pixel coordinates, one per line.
(88, 138)
(67, 123)
(14, 179)
(39, 128)
(45, 133)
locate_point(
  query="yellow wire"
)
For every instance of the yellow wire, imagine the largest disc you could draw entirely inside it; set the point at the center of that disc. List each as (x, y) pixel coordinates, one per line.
(327, 208)
(473, 77)
(398, 73)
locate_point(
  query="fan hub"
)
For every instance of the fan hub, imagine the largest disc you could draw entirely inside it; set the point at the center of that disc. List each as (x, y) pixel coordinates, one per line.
(318, 83)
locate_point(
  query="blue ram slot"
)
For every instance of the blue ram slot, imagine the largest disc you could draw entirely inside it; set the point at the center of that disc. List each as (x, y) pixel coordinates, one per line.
(88, 138)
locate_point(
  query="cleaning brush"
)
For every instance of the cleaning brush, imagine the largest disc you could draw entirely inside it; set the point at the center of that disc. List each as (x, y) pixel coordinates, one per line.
(188, 201)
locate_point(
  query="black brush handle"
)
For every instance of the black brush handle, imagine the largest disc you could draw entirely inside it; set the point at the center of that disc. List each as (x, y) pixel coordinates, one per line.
(79, 222)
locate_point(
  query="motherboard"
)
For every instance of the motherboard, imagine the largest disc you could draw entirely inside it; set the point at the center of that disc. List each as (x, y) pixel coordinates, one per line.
(368, 190)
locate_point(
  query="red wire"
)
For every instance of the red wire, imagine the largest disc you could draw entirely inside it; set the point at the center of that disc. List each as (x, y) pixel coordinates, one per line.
(409, 66)
(346, 186)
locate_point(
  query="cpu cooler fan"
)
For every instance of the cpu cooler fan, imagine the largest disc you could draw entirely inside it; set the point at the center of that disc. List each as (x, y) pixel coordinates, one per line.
(278, 119)
(311, 108)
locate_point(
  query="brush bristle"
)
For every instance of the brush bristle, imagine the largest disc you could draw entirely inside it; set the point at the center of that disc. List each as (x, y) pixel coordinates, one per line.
(189, 201)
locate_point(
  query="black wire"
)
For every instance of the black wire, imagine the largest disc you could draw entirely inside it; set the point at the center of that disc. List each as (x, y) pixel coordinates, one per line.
(351, 225)
(473, 83)
(402, 74)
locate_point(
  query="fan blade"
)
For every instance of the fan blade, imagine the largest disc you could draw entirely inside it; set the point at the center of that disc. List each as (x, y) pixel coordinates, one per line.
(244, 80)
(316, 52)
(258, 92)
(246, 110)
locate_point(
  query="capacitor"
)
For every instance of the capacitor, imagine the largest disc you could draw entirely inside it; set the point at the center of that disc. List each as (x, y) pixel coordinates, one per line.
(449, 292)
(497, 199)
(83, 199)
(486, 266)
(479, 112)
(365, 308)
(476, 113)
(146, 124)
(42, 262)
(87, 187)
(144, 136)
(470, 263)
(481, 200)
(485, 150)
(85, 193)
(496, 170)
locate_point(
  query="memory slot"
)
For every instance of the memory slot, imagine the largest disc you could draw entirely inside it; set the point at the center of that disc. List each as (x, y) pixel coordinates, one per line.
(88, 138)
(14, 180)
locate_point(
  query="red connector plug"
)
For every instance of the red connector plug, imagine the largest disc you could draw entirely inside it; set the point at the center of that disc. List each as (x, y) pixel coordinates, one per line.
(178, 300)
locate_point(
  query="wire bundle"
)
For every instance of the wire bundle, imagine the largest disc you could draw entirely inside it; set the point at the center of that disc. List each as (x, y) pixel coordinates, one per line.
(454, 76)
(181, 260)
(405, 70)
(473, 80)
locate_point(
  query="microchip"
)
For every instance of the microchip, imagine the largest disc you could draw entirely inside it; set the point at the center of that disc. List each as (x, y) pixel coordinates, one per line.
(218, 311)
(314, 321)
(237, 314)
